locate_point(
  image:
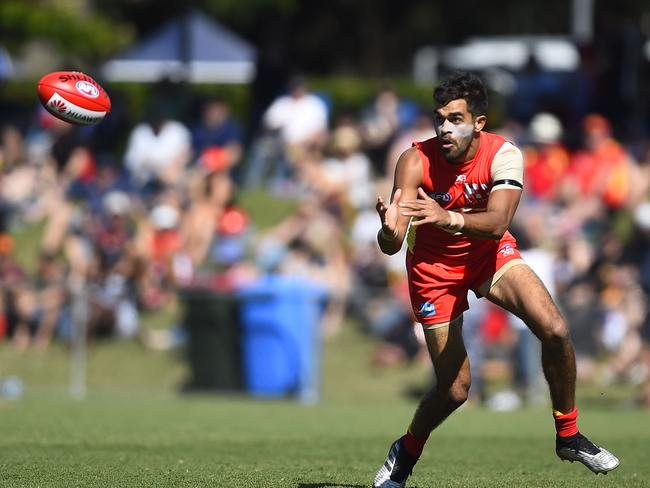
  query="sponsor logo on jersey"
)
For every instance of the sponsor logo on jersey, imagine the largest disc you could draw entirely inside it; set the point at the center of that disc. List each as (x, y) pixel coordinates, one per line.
(87, 89)
(507, 250)
(461, 178)
(440, 196)
(476, 192)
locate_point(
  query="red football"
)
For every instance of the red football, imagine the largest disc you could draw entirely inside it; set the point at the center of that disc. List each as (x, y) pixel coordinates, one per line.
(74, 97)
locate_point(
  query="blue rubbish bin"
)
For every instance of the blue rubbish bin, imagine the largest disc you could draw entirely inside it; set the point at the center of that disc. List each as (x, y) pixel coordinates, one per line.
(281, 342)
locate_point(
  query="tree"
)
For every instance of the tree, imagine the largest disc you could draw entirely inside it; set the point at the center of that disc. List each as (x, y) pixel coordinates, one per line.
(73, 27)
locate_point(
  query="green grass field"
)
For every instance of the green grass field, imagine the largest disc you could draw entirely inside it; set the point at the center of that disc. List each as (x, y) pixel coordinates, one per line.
(134, 430)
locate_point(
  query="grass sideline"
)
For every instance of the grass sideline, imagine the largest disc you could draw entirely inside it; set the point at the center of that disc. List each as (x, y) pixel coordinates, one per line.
(134, 430)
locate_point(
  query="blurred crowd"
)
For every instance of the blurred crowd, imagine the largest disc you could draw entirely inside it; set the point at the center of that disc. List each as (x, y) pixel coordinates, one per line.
(127, 228)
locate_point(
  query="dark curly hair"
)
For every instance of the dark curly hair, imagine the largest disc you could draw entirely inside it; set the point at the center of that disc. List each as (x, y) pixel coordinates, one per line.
(468, 86)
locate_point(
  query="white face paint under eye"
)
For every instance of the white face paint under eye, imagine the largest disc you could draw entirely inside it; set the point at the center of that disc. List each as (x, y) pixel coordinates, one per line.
(457, 131)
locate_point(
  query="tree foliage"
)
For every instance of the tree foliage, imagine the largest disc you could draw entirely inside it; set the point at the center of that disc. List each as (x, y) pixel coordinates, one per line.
(76, 32)
(367, 37)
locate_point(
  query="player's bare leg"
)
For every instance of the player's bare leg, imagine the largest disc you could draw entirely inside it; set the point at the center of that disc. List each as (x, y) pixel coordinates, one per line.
(521, 292)
(451, 366)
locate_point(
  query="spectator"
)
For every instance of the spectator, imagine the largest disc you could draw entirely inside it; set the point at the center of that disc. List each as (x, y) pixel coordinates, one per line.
(162, 262)
(603, 169)
(21, 181)
(547, 159)
(380, 122)
(157, 152)
(199, 225)
(348, 172)
(625, 311)
(12, 149)
(50, 293)
(300, 117)
(113, 234)
(217, 128)
(292, 124)
(16, 301)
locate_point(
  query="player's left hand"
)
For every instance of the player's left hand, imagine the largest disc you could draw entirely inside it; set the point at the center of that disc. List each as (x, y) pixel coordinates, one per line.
(425, 210)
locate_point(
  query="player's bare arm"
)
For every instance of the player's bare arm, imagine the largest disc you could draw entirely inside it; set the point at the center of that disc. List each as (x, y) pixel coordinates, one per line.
(407, 180)
(491, 224)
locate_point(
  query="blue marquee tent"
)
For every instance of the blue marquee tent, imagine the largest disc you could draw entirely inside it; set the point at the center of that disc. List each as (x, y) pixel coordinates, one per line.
(6, 64)
(193, 47)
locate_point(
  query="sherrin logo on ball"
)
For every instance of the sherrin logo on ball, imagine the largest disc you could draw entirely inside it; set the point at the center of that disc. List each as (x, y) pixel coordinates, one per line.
(74, 97)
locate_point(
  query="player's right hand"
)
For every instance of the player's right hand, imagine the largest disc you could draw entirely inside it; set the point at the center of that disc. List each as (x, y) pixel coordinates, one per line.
(389, 214)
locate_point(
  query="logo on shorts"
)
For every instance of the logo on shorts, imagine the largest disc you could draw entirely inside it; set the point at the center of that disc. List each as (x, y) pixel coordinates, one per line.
(427, 310)
(507, 250)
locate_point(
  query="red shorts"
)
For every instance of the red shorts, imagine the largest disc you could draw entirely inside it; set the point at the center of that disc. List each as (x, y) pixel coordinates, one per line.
(439, 289)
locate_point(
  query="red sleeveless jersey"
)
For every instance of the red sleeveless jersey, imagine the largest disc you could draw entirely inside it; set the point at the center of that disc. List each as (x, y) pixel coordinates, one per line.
(464, 186)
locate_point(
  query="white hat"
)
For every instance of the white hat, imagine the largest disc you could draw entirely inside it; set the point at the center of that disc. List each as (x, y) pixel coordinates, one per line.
(642, 216)
(545, 128)
(164, 217)
(116, 203)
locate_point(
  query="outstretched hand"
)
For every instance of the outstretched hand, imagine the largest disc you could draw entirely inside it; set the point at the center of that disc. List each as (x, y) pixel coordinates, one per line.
(389, 214)
(424, 210)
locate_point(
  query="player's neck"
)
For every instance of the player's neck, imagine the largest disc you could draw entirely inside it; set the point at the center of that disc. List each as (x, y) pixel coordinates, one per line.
(473, 147)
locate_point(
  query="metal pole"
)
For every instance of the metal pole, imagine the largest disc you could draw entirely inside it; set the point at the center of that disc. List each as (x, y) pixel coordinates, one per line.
(582, 20)
(310, 368)
(79, 313)
(185, 44)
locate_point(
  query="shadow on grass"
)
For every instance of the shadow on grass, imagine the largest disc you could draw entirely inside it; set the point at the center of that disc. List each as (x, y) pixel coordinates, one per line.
(328, 485)
(331, 485)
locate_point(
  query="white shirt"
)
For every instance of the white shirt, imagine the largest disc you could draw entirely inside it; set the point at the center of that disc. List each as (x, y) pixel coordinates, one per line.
(147, 152)
(297, 119)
